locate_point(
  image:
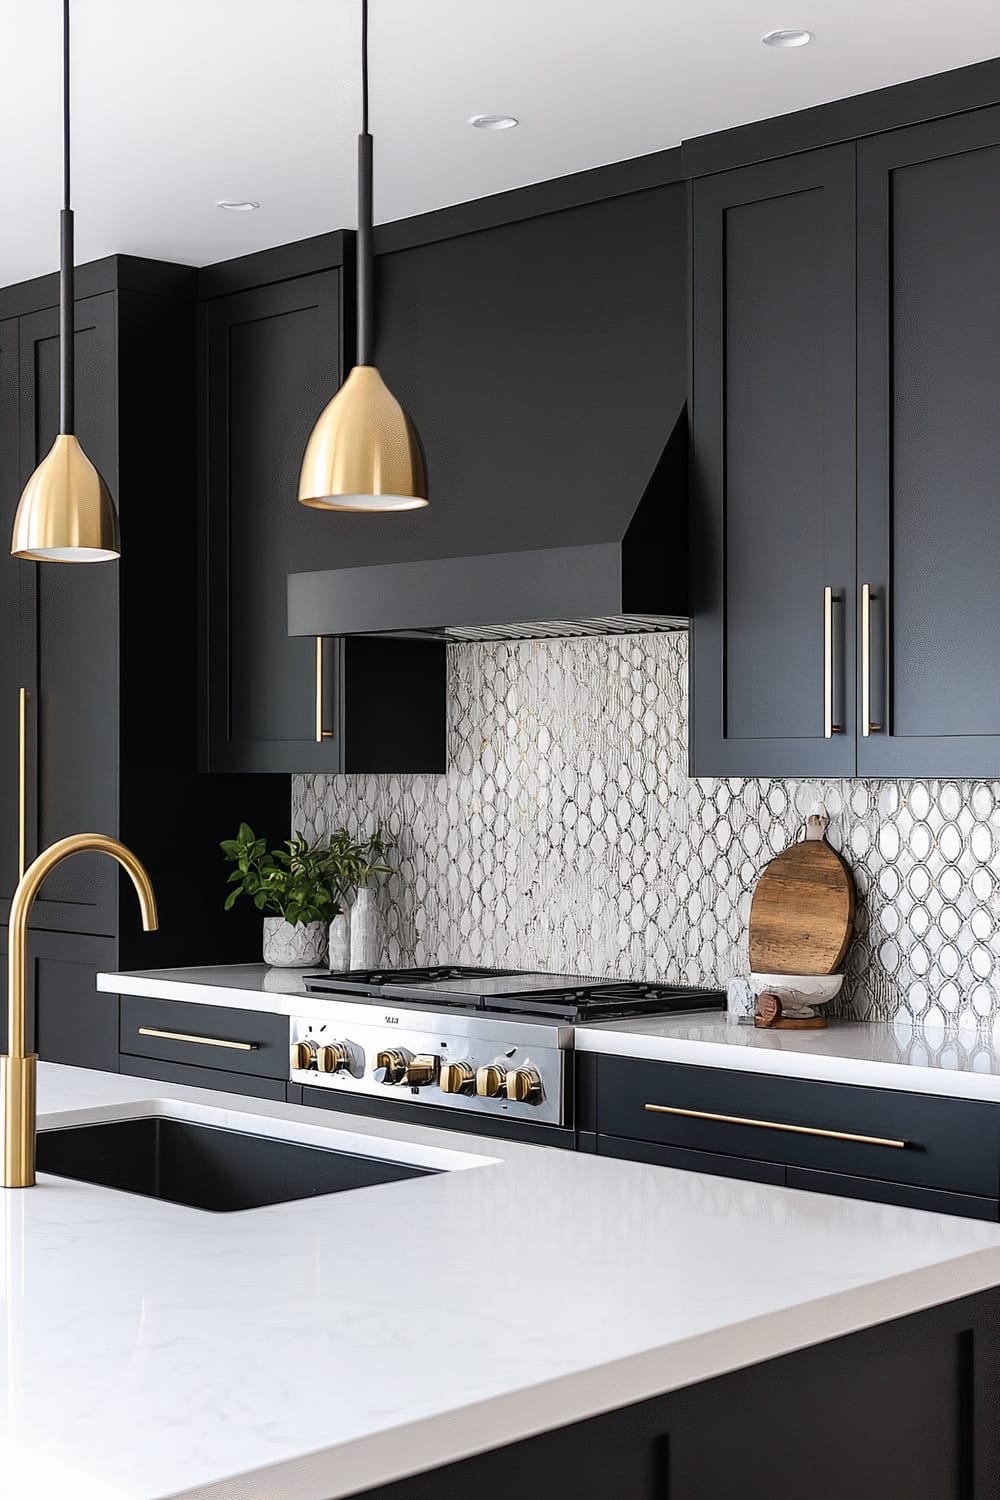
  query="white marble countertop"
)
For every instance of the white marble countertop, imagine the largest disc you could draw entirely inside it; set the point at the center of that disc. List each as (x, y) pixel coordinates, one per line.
(872, 1053)
(156, 1351)
(958, 1064)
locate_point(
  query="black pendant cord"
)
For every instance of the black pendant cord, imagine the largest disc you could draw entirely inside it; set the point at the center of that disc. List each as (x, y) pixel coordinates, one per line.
(366, 254)
(67, 414)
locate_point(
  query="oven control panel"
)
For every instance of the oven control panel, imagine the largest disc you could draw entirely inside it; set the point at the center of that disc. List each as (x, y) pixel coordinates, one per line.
(474, 1064)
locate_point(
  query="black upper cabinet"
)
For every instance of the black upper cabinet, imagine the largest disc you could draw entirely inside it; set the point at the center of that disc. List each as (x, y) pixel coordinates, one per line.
(773, 473)
(275, 702)
(272, 361)
(905, 530)
(929, 447)
(69, 632)
(12, 678)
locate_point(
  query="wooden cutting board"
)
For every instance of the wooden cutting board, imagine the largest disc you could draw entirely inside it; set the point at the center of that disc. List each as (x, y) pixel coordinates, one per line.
(802, 914)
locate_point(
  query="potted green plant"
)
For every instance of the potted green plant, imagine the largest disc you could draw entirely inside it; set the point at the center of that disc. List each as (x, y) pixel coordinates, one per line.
(358, 863)
(296, 888)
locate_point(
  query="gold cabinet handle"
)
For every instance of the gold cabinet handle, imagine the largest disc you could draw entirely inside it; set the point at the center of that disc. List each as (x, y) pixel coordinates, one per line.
(202, 1041)
(829, 727)
(827, 1135)
(867, 726)
(22, 777)
(321, 733)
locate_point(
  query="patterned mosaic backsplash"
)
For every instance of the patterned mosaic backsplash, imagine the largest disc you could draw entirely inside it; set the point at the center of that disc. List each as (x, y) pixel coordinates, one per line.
(567, 835)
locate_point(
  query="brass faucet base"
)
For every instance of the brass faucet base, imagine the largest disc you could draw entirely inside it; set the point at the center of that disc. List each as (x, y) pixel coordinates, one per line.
(17, 1124)
(17, 1072)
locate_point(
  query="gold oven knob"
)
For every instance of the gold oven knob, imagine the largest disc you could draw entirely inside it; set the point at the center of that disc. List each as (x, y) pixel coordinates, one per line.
(335, 1057)
(524, 1085)
(457, 1078)
(391, 1065)
(490, 1081)
(302, 1056)
(421, 1070)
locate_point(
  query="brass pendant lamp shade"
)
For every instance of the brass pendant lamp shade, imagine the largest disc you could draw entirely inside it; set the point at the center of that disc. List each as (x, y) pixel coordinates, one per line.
(364, 453)
(66, 513)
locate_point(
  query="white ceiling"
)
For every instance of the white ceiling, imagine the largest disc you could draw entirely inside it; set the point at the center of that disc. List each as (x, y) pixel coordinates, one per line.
(180, 102)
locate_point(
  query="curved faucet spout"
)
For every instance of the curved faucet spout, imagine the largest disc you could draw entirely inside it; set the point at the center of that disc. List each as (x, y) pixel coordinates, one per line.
(17, 1070)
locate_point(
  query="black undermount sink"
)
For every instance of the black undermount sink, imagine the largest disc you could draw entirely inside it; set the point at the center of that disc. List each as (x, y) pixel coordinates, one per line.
(204, 1166)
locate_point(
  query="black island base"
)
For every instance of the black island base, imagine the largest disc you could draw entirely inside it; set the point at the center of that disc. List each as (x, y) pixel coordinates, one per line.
(908, 1410)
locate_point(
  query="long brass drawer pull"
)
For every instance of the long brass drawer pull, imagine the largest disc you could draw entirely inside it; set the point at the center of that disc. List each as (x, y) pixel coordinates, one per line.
(203, 1041)
(828, 1135)
(321, 733)
(868, 726)
(829, 727)
(22, 777)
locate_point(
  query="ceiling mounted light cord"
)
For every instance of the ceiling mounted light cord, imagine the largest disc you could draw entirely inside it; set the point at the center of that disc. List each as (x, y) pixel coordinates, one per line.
(67, 332)
(364, 453)
(366, 216)
(66, 513)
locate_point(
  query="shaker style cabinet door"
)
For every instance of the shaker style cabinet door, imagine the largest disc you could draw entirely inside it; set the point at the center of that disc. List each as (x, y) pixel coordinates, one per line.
(67, 1020)
(929, 450)
(70, 632)
(271, 362)
(773, 468)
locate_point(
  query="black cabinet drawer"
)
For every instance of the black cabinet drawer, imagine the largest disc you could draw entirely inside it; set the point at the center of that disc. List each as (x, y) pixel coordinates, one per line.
(203, 1078)
(207, 1036)
(967, 1205)
(692, 1161)
(861, 1132)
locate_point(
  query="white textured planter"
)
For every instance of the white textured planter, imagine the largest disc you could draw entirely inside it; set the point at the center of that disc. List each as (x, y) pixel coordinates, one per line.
(288, 947)
(339, 957)
(366, 932)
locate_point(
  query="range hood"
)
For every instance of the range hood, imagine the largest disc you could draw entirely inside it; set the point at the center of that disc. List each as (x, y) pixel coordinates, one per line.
(621, 569)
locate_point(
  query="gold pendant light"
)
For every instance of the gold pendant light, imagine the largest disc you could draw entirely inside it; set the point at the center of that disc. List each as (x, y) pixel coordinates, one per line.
(66, 513)
(364, 453)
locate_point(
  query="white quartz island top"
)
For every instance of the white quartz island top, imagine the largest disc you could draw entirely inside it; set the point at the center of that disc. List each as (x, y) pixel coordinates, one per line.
(302, 1351)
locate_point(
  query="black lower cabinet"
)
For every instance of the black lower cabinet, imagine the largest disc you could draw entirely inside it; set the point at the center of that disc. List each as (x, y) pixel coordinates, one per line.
(830, 1421)
(206, 1046)
(967, 1205)
(692, 1161)
(67, 1020)
(885, 1145)
(204, 1078)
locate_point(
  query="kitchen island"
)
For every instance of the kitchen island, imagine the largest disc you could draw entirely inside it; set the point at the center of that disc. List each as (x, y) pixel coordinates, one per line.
(336, 1345)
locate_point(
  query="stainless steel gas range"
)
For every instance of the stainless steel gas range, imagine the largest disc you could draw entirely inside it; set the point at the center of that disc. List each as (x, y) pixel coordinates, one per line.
(484, 1042)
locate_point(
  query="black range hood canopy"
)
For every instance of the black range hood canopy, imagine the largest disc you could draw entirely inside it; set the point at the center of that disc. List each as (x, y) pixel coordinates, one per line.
(634, 581)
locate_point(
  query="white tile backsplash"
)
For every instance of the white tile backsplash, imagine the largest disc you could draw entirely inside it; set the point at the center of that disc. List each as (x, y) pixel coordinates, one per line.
(568, 835)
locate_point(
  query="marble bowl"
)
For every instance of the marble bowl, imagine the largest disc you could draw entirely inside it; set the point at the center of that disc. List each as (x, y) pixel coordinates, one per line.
(798, 989)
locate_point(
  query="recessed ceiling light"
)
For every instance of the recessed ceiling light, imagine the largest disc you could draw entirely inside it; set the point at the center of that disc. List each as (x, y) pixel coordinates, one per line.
(237, 205)
(788, 37)
(493, 122)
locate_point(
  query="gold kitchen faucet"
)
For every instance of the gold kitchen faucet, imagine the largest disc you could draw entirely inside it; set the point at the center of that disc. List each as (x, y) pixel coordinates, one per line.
(18, 1071)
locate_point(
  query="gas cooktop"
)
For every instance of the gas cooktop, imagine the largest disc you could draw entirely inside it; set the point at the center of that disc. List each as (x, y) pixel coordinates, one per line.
(566, 997)
(487, 1043)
